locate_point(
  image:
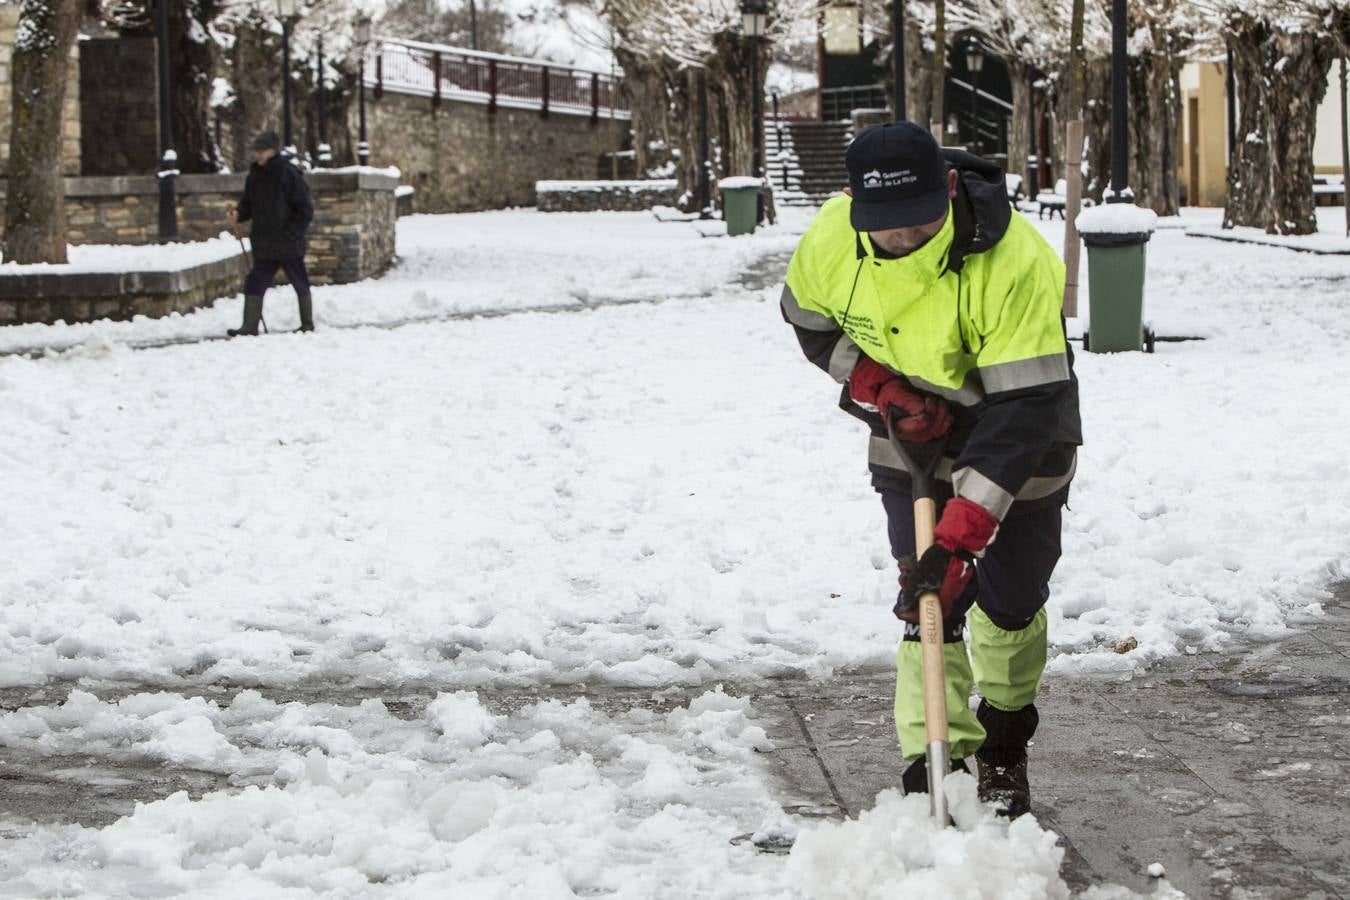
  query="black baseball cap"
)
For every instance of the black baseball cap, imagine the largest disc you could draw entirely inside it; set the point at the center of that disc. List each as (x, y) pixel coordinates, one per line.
(898, 177)
(267, 140)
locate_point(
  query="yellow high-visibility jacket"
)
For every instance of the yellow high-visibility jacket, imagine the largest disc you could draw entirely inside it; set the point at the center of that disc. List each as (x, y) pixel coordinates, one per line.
(973, 316)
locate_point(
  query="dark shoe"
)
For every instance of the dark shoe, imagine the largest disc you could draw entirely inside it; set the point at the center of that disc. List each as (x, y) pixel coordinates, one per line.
(1002, 757)
(1005, 786)
(914, 780)
(306, 312)
(253, 304)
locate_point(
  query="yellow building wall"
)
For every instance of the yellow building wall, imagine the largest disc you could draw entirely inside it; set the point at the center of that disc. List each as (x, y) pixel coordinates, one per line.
(1327, 142)
(1204, 123)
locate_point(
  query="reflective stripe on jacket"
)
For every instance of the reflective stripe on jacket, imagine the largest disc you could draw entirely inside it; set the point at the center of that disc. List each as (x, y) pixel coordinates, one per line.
(973, 316)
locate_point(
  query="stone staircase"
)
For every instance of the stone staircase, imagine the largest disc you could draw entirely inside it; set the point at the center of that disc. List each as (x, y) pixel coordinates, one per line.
(805, 160)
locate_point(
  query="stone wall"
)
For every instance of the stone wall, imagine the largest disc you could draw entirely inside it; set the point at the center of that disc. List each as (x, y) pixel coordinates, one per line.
(70, 143)
(86, 296)
(461, 157)
(119, 129)
(582, 196)
(352, 236)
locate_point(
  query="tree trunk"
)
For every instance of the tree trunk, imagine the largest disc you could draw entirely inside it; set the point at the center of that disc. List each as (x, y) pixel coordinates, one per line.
(1097, 128)
(648, 85)
(1281, 78)
(192, 61)
(35, 206)
(1345, 148)
(255, 66)
(1154, 79)
(918, 75)
(1019, 134)
(937, 115)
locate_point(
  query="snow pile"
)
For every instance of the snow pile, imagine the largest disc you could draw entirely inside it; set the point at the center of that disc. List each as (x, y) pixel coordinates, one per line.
(561, 800)
(1116, 218)
(161, 727)
(737, 182)
(897, 849)
(573, 187)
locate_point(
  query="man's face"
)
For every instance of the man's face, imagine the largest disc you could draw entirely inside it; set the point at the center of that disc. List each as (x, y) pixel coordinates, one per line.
(263, 155)
(904, 241)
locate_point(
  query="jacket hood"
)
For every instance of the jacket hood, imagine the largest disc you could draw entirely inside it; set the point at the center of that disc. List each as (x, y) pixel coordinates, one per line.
(980, 209)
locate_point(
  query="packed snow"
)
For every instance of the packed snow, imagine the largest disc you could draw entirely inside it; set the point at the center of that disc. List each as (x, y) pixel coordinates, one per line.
(1116, 218)
(652, 491)
(119, 258)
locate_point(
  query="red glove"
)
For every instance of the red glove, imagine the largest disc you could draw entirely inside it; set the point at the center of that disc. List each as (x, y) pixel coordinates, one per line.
(920, 419)
(867, 379)
(965, 530)
(925, 418)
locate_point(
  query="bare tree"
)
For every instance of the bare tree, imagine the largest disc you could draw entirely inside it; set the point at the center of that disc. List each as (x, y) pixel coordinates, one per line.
(1282, 54)
(192, 63)
(661, 44)
(35, 214)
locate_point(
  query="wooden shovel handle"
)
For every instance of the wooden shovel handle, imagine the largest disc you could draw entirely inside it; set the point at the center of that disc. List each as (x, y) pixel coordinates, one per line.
(930, 632)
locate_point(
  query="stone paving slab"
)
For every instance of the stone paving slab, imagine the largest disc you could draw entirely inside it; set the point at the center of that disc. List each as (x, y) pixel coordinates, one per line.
(1232, 771)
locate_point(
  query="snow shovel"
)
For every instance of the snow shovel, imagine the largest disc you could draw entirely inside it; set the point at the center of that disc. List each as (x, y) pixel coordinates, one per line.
(922, 461)
(248, 264)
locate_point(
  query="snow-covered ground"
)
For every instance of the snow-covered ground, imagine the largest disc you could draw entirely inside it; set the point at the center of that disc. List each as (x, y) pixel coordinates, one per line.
(654, 494)
(480, 262)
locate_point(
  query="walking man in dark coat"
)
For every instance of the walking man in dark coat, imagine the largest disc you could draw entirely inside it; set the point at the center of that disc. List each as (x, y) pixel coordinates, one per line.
(278, 203)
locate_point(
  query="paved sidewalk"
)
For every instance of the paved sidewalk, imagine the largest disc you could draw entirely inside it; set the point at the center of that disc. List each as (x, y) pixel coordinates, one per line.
(1233, 772)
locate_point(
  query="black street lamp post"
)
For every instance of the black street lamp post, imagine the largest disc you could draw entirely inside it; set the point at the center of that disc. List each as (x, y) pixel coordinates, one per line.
(1119, 99)
(754, 20)
(362, 38)
(325, 151)
(287, 10)
(168, 163)
(975, 63)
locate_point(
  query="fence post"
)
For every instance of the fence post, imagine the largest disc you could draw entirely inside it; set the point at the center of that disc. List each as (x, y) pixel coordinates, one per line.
(379, 75)
(492, 85)
(436, 79)
(543, 90)
(595, 98)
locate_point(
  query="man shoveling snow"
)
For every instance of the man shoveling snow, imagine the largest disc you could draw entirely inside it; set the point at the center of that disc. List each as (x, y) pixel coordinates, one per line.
(938, 306)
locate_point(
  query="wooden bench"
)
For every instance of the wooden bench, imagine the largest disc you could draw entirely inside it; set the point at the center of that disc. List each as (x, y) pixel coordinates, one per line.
(1328, 190)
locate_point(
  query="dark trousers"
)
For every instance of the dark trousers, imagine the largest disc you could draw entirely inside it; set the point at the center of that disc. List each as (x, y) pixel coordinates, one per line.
(1012, 580)
(260, 277)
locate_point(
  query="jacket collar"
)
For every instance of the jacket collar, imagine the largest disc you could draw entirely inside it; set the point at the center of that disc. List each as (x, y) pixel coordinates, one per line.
(981, 211)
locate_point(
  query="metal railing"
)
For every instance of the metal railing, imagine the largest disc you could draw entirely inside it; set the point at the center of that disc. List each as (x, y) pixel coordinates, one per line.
(985, 130)
(837, 104)
(452, 73)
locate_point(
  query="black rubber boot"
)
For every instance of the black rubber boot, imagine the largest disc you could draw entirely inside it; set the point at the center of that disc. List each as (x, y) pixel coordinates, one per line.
(1002, 757)
(252, 316)
(914, 780)
(306, 311)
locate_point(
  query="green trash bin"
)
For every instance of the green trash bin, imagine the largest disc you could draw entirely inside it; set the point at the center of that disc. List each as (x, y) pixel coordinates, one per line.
(1117, 243)
(740, 203)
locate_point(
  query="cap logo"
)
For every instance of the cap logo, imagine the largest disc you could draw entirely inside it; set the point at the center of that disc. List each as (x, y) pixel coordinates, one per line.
(876, 178)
